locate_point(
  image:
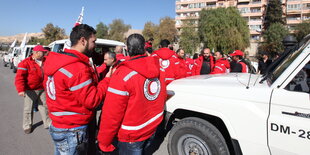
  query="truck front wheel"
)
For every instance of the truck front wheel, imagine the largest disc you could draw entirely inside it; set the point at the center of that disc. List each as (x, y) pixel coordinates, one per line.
(195, 136)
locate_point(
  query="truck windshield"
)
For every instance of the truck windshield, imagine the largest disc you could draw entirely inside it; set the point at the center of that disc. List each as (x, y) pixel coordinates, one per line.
(279, 69)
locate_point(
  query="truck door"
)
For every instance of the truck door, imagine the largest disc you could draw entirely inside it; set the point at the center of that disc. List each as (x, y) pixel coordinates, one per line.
(289, 118)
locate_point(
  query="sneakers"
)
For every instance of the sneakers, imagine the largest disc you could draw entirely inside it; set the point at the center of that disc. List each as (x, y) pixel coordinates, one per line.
(28, 131)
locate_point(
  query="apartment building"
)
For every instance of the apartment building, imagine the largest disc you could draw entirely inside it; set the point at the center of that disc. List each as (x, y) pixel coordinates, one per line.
(295, 11)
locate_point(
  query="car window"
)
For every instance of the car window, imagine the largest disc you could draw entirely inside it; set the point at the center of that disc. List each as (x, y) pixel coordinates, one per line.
(58, 48)
(29, 51)
(301, 82)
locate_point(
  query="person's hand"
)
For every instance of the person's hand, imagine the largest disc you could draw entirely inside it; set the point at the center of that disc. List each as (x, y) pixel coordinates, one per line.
(21, 94)
(100, 152)
(111, 71)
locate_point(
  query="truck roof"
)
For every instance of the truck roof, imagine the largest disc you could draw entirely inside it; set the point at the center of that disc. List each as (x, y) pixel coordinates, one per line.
(98, 41)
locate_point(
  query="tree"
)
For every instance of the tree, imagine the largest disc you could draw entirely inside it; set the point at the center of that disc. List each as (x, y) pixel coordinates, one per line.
(189, 38)
(273, 13)
(273, 38)
(118, 29)
(53, 33)
(102, 30)
(150, 30)
(167, 29)
(36, 40)
(223, 29)
(302, 30)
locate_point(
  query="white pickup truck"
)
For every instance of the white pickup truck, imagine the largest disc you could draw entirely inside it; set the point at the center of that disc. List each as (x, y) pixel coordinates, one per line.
(243, 113)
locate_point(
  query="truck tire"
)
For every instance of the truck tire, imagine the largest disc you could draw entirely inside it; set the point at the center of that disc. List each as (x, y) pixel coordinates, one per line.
(4, 64)
(14, 69)
(196, 136)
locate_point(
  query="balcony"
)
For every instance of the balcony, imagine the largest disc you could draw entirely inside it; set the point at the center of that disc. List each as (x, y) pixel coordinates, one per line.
(182, 10)
(253, 32)
(293, 20)
(193, 1)
(242, 1)
(306, 18)
(186, 17)
(255, 22)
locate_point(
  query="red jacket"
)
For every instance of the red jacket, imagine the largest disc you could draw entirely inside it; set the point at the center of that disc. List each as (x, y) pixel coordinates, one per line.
(29, 75)
(244, 67)
(168, 61)
(189, 67)
(182, 68)
(148, 44)
(199, 62)
(121, 57)
(134, 104)
(72, 88)
(221, 66)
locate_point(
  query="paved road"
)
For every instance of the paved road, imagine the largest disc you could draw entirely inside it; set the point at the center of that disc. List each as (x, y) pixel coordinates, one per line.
(13, 140)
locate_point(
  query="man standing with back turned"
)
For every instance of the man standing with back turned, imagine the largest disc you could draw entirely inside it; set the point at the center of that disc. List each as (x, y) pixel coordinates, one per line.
(73, 92)
(135, 100)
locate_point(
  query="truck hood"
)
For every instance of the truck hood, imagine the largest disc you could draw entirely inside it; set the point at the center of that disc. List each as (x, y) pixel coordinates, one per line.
(220, 80)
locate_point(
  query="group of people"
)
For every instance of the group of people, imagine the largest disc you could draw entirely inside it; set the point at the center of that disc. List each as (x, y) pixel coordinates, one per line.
(130, 91)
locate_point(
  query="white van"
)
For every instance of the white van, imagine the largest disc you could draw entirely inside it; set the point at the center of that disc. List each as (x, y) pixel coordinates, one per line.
(8, 59)
(21, 55)
(102, 46)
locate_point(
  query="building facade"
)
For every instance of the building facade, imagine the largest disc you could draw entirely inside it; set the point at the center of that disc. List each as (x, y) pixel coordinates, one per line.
(295, 11)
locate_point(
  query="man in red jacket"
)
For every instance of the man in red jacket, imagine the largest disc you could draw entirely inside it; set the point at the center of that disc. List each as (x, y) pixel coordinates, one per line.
(167, 60)
(149, 43)
(237, 65)
(205, 63)
(182, 67)
(29, 84)
(134, 105)
(221, 65)
(189, 65)
(73, 92)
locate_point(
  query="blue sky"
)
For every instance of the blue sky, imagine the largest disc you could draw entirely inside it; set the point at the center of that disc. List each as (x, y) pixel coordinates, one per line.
(20, 16)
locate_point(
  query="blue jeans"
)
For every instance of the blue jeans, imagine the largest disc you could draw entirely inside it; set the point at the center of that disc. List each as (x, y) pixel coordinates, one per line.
(72, 141)
(134, 148)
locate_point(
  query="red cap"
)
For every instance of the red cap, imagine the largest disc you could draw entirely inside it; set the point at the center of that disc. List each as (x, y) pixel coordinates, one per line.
(39, 48)
(236, 52)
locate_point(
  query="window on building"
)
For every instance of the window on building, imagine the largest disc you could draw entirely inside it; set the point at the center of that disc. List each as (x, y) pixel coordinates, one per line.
(306, 6)
(244, 10)
(255, 10)
(256, 1)
(291, 27)
(178, 7)
(256, 27)
(293, 7)
(295, 17)
(255, 37)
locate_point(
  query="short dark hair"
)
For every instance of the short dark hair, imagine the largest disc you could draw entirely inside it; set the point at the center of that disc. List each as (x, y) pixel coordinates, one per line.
(79, 31)
(239, 56)
(221, 52)
(151, 39)
(149, 50)
(196, 55)
(164, 43)
(179, 50)
(135, 44)
(111, 55)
